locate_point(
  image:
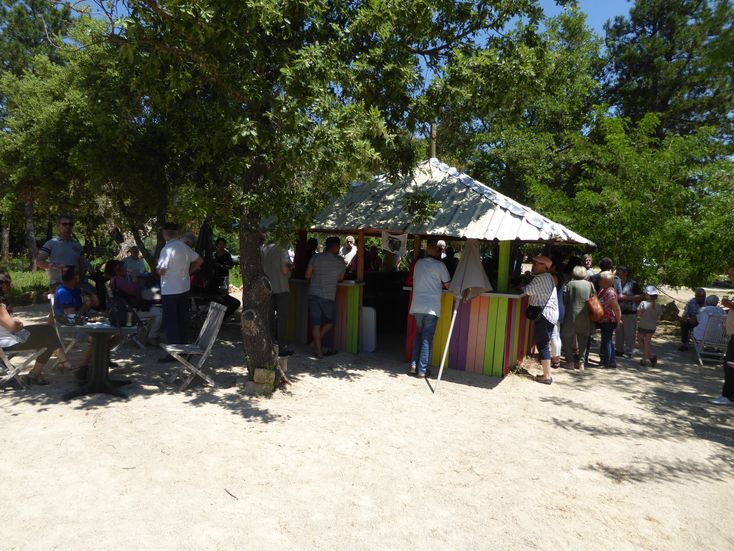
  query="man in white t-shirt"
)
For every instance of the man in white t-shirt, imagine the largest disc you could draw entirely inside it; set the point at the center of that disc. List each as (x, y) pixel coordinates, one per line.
(348, 251)
(430, 278)
(175, 265)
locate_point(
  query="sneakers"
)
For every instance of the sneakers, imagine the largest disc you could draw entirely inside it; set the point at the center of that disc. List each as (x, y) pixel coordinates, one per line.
(421, 375)
(412, 370)
(721, 401)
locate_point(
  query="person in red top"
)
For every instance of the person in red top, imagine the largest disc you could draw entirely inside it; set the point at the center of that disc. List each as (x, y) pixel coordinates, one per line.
(130, 291)
(612, 318)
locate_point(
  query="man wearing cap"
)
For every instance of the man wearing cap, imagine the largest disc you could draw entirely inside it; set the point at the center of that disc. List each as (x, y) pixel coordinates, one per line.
(541, 293)
(727, 392)
(690, 317)
(175, 265)
(628, 299)
(325, 270)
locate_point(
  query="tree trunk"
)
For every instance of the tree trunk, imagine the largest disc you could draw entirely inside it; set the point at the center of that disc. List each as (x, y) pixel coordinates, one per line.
(256, 338)
(5, 253)
(30, 235)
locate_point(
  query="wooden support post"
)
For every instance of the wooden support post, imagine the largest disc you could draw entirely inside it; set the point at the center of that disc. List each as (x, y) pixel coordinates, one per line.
(503, 268)
(360, 255)
(416, 246)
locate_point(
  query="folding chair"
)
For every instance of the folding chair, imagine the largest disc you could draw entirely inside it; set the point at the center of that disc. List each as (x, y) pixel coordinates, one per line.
(9, 370)
(142, 322)
(714, 342)
(202, 347)
(66, 334)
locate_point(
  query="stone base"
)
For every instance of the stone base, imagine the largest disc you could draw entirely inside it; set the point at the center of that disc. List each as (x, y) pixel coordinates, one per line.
(264, 376)
(258, 389)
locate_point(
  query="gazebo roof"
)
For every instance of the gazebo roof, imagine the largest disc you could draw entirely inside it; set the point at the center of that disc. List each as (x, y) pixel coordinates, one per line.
(469, 210)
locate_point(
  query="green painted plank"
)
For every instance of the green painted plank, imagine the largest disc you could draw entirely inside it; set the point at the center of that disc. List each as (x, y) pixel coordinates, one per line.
(500, 336)
(503, 270)
(489, 341)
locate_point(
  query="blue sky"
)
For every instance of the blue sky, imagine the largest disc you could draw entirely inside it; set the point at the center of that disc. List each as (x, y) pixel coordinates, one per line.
(597, 11)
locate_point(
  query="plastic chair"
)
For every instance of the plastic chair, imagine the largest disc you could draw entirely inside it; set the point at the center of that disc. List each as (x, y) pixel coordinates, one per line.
(714, 342)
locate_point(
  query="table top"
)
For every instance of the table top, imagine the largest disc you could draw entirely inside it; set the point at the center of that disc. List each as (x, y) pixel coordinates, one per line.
(103, 327)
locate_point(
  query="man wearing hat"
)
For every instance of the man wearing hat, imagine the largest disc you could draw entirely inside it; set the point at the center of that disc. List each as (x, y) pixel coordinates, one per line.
(629, 298)
(175, 265)
(542, 293)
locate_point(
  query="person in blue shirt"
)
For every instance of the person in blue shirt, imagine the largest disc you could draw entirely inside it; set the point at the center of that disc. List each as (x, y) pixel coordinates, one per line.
(68, 295)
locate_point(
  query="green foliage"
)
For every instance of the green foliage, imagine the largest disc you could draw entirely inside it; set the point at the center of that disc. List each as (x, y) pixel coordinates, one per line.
(421, 206)
(675, 58)
(28, 287)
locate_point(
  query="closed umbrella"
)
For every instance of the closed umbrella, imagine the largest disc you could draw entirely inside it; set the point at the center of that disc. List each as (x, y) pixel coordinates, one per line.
(469, 281)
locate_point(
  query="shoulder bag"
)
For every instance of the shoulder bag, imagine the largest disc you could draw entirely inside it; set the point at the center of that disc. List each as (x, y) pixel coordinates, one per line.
(533, 312)
(596, 310)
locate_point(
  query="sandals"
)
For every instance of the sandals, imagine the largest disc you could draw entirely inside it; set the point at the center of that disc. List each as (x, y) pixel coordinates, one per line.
(542, 380)
(36, 379)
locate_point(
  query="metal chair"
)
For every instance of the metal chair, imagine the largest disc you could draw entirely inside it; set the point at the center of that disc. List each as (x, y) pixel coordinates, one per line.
(202, 348)
(714, 342)
(67, 334)
(9, 370)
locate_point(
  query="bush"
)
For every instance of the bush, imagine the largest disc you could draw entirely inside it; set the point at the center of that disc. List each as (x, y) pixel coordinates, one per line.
(29, 287)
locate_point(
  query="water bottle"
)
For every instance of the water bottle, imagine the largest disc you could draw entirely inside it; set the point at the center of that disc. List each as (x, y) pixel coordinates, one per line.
(129, 319)
(225, 284)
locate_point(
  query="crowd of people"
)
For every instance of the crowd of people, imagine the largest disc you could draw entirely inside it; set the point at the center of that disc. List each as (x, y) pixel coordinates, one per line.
(560, 291)
(559, 294)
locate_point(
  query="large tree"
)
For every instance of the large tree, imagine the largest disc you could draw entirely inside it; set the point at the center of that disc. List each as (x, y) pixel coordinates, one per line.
(286, 102)
(676, 58)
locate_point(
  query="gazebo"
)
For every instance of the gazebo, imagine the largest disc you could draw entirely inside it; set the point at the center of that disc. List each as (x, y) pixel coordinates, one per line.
(492, 331)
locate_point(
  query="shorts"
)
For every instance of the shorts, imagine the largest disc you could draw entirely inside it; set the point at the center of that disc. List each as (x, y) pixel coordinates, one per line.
(322, 310)
(644, 331)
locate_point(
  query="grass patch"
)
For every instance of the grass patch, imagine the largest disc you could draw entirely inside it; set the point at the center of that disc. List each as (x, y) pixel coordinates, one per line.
(29, 287)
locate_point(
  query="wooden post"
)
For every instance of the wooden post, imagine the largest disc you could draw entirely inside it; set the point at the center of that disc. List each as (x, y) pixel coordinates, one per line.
(503, 268)
(416, 246)
(360, 255)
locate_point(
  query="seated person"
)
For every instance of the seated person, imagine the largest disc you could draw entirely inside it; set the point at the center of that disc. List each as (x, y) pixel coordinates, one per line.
(15, 337)
(130, 291)
(68, 301)
(133, 265)
(89, 291)
(223, 262)
(711, 308)
(210, 289)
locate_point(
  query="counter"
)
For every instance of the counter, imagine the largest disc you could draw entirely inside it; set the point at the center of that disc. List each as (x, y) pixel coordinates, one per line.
(345, 336)
(491, 333)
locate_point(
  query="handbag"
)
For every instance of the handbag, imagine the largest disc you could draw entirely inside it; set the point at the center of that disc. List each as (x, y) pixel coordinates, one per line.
(594, 307)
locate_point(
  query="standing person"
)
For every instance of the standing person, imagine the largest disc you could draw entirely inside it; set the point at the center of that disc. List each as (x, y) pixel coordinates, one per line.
(690, 317)
(648, 315)
(727, 392)
(223, 263)
(277, 267)
(175, 265)
(441, 244)
(325, 270)
(576, 326)
(15, 337)
(348, 251)
(587, 261)
(541, 293)
(612, 318)
(555, 343)
(61, 251)
(430, 278)
(628, 300)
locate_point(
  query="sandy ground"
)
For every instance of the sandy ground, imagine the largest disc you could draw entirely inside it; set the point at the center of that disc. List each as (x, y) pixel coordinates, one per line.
(357, 455)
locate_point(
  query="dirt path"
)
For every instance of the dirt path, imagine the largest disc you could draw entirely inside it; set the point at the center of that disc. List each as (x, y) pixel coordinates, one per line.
(356, 455)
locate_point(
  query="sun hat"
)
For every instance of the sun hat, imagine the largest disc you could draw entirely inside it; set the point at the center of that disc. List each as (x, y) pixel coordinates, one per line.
(651, 290)
(543, 260)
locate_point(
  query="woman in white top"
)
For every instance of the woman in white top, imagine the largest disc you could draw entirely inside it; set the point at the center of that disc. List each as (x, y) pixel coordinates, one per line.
(15, 337)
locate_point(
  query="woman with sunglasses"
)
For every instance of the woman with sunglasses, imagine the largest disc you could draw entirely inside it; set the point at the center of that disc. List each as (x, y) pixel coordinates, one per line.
(15, 337)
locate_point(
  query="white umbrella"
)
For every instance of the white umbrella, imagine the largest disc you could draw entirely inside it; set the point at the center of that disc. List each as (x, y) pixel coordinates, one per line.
(469, 281)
